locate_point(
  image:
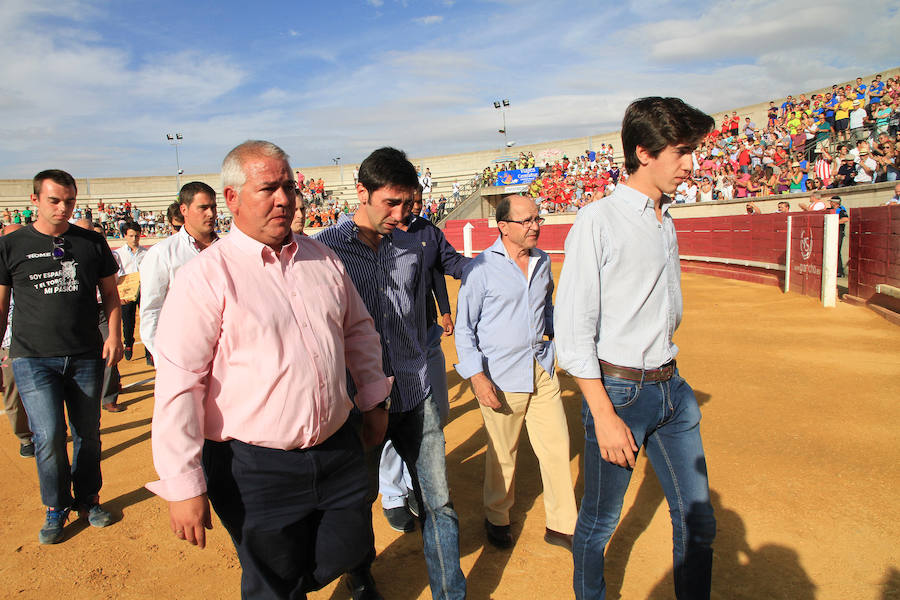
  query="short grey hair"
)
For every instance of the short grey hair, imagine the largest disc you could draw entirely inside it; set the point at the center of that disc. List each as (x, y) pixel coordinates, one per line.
(233, 166)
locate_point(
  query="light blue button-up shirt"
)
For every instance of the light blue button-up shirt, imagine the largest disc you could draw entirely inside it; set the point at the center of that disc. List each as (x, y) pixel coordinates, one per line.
(502, 317)
(619, 295)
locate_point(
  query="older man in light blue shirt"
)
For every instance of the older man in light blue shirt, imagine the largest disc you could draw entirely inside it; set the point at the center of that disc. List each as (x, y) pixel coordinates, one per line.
(504, 312)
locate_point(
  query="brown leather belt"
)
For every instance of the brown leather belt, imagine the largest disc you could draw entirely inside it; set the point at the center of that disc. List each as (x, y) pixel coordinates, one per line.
(663, 373)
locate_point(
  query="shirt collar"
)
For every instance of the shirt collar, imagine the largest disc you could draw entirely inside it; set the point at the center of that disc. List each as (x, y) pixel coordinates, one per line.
(255, 248)
(638, 200)
(350, 230)
(192, 241)
(500, 248)
(346, 226)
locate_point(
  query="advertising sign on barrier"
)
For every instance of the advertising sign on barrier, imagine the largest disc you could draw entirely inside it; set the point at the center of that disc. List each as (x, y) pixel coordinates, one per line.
(517, 176)
(807, 243)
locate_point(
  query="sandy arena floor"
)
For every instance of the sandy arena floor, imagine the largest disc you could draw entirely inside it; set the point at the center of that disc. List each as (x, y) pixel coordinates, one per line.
(799, 406)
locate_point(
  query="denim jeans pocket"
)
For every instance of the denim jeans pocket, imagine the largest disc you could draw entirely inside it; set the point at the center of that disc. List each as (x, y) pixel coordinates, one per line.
(621, 392)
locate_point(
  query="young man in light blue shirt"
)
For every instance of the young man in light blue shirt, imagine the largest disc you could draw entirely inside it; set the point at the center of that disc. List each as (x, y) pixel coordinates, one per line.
(618, 305)
(504, 312)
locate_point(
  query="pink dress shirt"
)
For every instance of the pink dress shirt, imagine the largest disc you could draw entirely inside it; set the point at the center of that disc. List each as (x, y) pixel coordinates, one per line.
(254, 346)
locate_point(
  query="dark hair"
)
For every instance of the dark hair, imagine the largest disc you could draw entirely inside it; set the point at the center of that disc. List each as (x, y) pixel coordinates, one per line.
(174, 212)
(654, 123)
(132, 226)
(191, 189)
(387, 167)
(56, 176)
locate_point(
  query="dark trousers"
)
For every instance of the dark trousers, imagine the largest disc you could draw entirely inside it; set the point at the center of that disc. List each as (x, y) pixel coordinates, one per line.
(298, 518)
(840, 272)
(129, 310)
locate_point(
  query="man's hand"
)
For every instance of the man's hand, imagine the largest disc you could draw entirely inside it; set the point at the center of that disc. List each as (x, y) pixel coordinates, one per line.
(615, 440)
(447, 324)
(374, 426)
(190, 518)
(113, 350)
(484, 391)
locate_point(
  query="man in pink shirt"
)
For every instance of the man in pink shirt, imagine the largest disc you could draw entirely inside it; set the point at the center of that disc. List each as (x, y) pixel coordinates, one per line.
(252, 351)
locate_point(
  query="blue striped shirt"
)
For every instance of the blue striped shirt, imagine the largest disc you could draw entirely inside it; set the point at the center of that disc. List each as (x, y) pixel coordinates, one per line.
(391, 282)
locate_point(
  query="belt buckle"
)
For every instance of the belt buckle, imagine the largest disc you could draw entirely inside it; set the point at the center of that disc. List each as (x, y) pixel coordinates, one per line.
(668, 372)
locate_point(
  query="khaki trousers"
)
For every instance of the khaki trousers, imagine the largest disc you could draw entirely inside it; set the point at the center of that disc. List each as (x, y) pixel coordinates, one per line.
(543, 415)
(12, 403)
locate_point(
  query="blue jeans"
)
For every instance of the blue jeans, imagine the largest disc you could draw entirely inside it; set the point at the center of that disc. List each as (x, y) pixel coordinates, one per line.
(419, 440)
(663, 417)
(394, 482)
(47, 386)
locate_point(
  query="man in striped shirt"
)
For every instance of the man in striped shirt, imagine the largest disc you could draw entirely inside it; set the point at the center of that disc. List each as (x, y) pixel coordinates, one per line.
(387, 266)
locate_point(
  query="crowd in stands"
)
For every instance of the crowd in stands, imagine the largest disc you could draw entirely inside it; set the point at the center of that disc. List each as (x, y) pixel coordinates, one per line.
(564, 185)
(113, 219)
(844, 137)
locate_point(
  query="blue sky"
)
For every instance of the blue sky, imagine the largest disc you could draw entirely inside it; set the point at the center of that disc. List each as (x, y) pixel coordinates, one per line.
(93, 87)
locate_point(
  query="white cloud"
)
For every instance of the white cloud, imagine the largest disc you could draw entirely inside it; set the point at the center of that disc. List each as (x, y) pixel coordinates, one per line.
(429, 20)
(81, 102)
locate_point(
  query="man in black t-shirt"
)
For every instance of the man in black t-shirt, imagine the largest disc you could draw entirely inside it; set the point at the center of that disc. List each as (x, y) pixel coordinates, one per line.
(54, 269)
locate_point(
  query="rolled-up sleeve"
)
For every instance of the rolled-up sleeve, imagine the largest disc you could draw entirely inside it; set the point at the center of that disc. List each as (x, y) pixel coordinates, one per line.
(577, 312)
(189, 327)
(468, 313)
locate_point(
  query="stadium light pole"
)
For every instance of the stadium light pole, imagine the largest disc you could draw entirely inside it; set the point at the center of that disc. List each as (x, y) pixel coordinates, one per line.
(175, 139)
(502, 105)
(337, 160)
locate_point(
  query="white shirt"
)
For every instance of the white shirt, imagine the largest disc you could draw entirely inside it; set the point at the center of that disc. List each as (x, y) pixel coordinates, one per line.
(619, 295)
(128, 261)
(861, 175)
(158, 268)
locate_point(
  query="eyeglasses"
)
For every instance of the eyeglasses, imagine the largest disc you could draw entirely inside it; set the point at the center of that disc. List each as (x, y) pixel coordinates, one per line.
(59, 248)
(527, 223)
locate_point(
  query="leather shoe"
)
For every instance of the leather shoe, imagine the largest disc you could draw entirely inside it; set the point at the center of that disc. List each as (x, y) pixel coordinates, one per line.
(362, 585)
(412, 504)
(26, 450)
(113, 407)
(399, 519)
(498, 535)
(558, 539)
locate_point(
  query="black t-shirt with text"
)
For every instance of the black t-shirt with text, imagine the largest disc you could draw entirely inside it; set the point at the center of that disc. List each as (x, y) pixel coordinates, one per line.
(56, 299)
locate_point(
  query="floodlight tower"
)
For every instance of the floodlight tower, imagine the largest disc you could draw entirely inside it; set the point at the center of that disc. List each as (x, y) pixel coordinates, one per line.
(175, 139)
(502, 105)
(337, 160)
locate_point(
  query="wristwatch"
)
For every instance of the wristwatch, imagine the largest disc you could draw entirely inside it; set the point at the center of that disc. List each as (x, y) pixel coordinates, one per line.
(385, 404)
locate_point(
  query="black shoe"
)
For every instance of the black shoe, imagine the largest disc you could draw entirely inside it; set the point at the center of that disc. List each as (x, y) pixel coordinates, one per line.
(129, 351)
(498, 535)
(399, 519)
(558, 539)
(26, 450)
(361, 585)
(412, 504)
